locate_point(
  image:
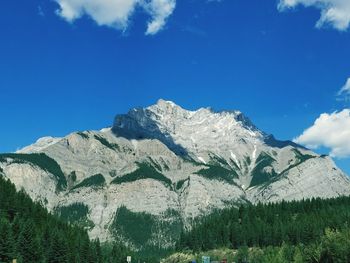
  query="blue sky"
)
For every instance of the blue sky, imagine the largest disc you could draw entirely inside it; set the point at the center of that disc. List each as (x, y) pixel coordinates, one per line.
(276, 66)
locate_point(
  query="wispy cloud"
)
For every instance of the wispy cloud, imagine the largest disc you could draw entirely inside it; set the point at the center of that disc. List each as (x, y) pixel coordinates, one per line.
(160, 11)
(344, 92)
(331, 131)
(335, 13)
(117, 13)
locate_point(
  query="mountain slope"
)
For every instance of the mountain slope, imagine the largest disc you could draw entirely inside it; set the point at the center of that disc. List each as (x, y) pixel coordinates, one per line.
(29, 233)
(171, 165)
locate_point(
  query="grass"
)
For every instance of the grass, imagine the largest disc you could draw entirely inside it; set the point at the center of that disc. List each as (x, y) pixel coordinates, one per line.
(94, 181)
(103, 141)
(42, 161)
(144, 171)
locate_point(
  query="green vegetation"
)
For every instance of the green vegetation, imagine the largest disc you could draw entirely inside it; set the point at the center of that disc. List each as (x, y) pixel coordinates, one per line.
(148, 233)
(166, 167)
(42, 161)
(76, 213)
(269, 178)
(83, 135)
(155, 164)
(217, 172)
(214, 160)
(333, 246)
(306, 231)
(294, 223)
(300, 159)
(94, 181)
(30, 234)
(217, 169)
(72, 176)
(135, 227)
(113, 173)
(144, 171)
(180, 183)
(248, 161)
(112, 146)
(263, 171)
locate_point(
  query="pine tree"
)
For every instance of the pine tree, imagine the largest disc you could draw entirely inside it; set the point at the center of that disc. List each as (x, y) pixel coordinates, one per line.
(58, 248)
(7, 243)
(29, 245)
(118, 253)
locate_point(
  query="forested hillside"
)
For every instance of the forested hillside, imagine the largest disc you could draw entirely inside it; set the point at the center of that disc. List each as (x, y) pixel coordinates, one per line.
(306, 231)
(29, 233)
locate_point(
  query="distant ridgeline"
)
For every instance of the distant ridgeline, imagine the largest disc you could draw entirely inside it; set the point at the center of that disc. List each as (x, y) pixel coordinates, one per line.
(309, 231)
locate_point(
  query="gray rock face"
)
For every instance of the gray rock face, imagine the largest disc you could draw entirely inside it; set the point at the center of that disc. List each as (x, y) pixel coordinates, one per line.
(164, 158)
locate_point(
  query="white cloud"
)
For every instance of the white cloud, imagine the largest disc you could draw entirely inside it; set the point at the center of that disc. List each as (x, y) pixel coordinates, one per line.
(345, 90)
(331, 131)
(117, 13)
(333, 12)
(160, 11)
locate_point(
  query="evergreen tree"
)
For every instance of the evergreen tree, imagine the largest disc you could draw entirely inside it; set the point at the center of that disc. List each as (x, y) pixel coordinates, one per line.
(118, 253)
(29, 245)
(7, 243)
(58, 248)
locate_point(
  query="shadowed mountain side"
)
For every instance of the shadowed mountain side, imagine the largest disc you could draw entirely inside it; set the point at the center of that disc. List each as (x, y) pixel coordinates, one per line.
(137, 124)
(271, 141)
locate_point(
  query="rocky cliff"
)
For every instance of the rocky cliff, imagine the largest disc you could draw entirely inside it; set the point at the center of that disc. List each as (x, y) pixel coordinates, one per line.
(158, 168)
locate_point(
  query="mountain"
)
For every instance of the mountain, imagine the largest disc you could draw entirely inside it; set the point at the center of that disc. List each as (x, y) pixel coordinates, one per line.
(158, 168)
(28, 233)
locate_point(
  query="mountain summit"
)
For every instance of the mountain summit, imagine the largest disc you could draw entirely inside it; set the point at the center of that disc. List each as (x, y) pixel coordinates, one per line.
(165, 166)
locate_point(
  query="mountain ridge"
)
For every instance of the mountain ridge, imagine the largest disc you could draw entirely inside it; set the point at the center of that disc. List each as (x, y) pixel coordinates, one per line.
(164, 158)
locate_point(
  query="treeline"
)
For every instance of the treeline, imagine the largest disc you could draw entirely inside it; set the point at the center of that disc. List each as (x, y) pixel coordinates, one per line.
(333, 247)
(292, 223)
(30, 234)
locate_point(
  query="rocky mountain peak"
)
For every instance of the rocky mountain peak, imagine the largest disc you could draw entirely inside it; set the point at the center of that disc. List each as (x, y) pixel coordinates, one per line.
(171, 163)
(189, 132)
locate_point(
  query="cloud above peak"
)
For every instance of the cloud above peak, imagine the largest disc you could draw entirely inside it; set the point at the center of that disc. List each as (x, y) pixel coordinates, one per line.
(331, 131)
(335, 13)
(117, 13)
(160, 10)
